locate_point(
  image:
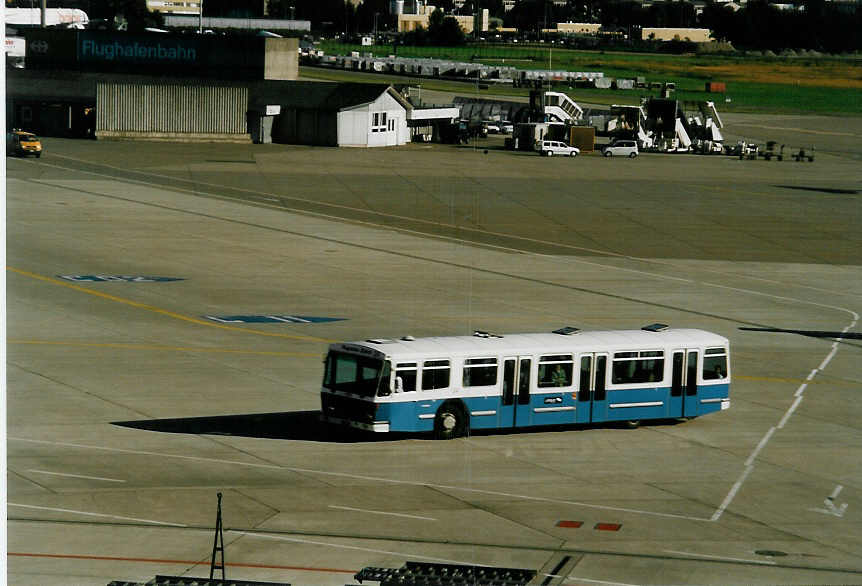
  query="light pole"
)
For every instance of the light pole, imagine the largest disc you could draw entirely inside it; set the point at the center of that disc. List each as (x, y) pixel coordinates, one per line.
(200, 16)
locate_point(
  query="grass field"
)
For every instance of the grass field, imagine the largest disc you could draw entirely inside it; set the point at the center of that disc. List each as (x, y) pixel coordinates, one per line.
(824, 85)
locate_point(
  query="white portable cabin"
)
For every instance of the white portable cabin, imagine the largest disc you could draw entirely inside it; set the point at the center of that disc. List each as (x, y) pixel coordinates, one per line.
(380, 122)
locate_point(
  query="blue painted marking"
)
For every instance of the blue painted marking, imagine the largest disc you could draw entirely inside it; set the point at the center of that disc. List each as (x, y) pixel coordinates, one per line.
(116, 278)
(271, 319)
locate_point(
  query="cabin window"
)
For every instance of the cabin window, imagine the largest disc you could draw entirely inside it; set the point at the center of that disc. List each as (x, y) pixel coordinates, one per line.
(378, 122)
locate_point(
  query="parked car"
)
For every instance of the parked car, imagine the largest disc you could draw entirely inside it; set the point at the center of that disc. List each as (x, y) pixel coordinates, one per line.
(21, 144)
(507, 127)
(550, 148)
(621, 148)
(492, 126)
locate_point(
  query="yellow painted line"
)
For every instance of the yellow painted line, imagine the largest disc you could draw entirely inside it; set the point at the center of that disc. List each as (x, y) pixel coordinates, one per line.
(164, 348)
(161, 311)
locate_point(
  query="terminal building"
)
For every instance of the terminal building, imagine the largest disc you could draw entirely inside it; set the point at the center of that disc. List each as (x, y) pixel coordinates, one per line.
(151, 86)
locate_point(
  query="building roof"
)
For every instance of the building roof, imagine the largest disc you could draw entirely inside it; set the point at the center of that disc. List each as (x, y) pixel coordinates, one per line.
(316, 95)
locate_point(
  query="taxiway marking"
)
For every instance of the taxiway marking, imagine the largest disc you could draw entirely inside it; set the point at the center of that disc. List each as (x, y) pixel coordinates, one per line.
(721, 557)
(161, 311)
(421, 518)
(75, 475)
(364, 477)
(91, 514)
(829, 503)
(749, 463)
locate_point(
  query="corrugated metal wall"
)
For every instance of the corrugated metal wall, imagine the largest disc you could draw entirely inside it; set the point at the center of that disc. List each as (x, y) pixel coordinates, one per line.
(171, 108)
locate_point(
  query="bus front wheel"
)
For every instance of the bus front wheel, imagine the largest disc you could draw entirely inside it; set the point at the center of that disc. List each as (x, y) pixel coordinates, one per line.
(451, 422)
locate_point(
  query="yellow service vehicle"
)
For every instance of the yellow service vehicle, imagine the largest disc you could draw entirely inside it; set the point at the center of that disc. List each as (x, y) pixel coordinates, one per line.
(21, 143)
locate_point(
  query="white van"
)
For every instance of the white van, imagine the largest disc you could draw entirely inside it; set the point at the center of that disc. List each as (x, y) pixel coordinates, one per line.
(621, 148)
(550, 148)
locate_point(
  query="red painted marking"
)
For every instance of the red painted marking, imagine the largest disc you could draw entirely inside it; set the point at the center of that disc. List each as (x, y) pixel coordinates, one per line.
(570, 524)
(165, 561)
(608, 526)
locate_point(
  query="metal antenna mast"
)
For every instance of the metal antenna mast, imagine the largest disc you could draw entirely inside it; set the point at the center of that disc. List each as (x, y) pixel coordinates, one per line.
(218, 545)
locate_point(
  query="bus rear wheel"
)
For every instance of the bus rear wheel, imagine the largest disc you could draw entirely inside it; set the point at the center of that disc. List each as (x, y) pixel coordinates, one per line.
(450, 422)
(633, 423)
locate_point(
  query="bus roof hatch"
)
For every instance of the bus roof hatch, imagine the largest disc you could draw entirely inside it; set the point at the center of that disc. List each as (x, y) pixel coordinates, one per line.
(566, 331)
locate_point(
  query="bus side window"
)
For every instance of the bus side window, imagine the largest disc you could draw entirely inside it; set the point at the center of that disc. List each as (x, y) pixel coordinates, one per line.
(480, 372)
(405, 377)
(435, 375)
(555, 371)
(714, 364)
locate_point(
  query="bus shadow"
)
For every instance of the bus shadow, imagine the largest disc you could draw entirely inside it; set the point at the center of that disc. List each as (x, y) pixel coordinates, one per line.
(306, 426)
(291, 425)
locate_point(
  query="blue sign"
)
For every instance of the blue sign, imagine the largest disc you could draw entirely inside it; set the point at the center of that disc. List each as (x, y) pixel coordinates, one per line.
(115, 278)
(138, 49)
(271, 319)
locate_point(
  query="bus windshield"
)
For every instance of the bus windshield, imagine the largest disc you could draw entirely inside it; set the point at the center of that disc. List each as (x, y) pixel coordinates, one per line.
(359, 375)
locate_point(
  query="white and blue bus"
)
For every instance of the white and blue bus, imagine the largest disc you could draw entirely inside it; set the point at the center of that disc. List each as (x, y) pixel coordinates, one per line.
(450, 385)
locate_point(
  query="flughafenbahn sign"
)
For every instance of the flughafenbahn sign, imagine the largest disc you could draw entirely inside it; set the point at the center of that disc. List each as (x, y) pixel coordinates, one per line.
(235, 57)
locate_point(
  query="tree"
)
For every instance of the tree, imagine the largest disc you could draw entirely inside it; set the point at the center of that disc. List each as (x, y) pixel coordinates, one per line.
(444, 30)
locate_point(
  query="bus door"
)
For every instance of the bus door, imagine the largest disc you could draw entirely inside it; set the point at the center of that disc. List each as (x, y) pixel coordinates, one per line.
(515, 408)
(683, 388)
(592, 392)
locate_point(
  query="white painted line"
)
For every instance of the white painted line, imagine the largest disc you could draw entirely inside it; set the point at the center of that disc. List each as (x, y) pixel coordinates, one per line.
(759, 447)
(75, 475)
(224, 321)
(812, 374)
(730, 495)
(342, 546)
(800, 390)
(829, 357)
(783, 298)
(382, 513)
(598, 581)
(721, 557)
(836, 492)
(563, 502)
(790, 412)
(87, 513)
